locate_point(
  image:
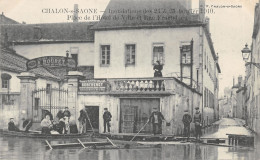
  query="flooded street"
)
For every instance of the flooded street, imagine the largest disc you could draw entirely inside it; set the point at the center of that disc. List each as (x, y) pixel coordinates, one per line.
(25, 148)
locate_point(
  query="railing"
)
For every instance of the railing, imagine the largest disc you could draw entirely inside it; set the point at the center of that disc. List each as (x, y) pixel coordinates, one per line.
(138, 84)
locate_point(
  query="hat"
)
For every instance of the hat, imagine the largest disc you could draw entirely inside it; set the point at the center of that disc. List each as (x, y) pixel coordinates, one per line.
(11, 118)
(155, 108)
(105, 108)
(197, 108)
(186, 110)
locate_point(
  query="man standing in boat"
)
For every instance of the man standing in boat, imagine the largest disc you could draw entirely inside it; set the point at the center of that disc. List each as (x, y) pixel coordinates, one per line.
(107, 118)
(186, 119)
(156, 118)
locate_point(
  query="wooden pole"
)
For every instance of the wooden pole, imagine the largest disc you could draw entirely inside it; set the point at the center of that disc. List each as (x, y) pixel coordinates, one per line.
(90, 122)
(139, 131)
(49, 144)
(111, 142)
(81, 144)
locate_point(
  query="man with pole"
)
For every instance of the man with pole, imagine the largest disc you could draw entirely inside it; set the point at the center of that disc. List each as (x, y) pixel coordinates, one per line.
(156, 118)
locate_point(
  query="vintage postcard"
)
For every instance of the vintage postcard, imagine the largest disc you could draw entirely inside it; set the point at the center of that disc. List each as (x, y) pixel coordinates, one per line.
(129, 79)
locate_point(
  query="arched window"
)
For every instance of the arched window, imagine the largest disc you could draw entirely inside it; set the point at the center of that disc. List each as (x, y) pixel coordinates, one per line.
(5, 80)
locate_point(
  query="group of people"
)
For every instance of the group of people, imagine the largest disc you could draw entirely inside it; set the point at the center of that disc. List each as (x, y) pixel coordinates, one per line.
(26, 125)
(62, 124)
(65, 123)
(84, 118)
(197, 120)
(157, 118)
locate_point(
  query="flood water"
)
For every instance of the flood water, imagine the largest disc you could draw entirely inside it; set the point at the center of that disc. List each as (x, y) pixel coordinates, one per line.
(25, 148)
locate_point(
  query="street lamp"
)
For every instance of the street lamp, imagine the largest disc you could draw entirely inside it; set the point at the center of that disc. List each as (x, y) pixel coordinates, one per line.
(245, 54)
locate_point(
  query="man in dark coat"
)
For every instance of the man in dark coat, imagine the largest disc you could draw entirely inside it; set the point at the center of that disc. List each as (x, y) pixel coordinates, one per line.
(197, 119)
(107, 118)
(158, 69)
(82, 121)
(11, 125)
(186, 119)
(157, 73)
(156, 118)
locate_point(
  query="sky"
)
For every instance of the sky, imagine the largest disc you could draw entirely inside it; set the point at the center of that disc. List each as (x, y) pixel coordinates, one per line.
(231, 28)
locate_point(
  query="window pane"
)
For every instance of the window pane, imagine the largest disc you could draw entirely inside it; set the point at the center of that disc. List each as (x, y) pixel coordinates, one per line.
(130, 54)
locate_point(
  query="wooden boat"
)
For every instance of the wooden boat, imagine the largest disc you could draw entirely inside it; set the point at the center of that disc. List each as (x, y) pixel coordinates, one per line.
(81, 144)
(99, 143)
(35, 134)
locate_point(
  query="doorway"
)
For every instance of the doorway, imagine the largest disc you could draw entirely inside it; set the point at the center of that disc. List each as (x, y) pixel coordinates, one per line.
(134, 113)
(93, 114)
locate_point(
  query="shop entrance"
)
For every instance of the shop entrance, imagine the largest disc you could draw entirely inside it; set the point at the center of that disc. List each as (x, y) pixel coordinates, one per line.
(134, 113)
(93, 114)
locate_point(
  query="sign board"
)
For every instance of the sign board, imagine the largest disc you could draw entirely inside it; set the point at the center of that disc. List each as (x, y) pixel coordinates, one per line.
(92, 85)
(51, 61)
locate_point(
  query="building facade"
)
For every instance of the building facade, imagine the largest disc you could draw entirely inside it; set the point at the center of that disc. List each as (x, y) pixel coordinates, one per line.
(122, 53)
(252, 101)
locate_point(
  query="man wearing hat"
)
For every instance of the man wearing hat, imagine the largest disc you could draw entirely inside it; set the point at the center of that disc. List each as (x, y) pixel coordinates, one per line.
(186, 119)
(107, 118)
(156, 118)
(197, 119)
(157, 73)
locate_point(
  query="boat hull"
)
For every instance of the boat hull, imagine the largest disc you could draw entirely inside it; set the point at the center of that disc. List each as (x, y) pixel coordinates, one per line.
(42, 136)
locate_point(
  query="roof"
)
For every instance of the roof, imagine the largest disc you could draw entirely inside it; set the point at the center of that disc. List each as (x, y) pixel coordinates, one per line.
(49, 32)
(11, 61)
(6, 20)
(122, 14)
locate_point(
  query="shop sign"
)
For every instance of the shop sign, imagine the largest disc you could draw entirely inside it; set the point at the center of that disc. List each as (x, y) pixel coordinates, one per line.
(92, 85)
(51, 61)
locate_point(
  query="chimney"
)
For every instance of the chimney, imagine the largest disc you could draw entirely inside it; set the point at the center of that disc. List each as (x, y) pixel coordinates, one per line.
(75, 15)
(207, 23)
(239, 81)
(202, 10)
(233, 81)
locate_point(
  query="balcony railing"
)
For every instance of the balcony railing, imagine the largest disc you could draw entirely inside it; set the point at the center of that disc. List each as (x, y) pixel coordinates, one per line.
(161, 84)
(138, 84)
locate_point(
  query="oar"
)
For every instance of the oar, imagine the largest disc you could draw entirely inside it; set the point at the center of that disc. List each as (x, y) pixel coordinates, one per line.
(139, 131)
(90, 123)
(82, 144)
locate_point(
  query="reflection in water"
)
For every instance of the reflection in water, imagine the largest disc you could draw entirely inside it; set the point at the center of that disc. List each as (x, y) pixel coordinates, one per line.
(24, 149)
(198, 153)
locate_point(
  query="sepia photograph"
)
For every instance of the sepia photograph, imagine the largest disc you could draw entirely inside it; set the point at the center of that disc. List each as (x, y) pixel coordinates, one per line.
(130, 79)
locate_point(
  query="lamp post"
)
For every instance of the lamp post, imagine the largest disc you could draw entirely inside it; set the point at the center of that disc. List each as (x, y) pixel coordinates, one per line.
(246, 54)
